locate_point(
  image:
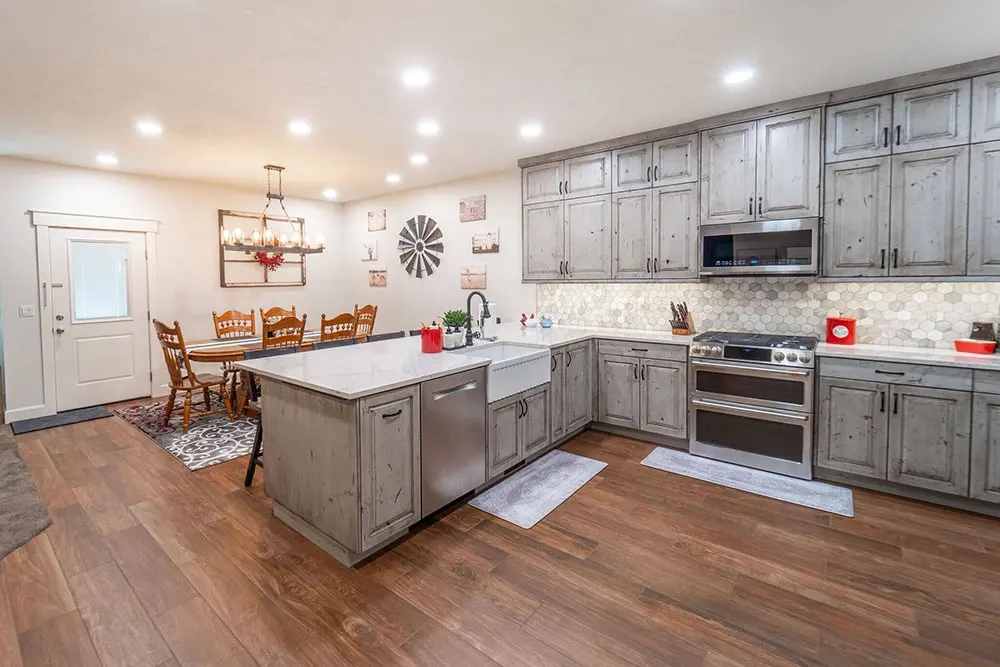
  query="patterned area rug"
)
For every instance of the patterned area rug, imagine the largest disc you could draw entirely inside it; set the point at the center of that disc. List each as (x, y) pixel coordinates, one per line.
(210, 440)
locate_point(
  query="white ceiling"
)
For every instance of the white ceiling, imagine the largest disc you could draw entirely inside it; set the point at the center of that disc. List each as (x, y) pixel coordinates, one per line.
(226, 76)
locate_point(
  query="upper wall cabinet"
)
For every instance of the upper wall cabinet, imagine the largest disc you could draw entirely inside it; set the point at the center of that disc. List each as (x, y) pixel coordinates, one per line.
(932, 117)
(984, 210)
(632, 168)
(667, 162)
(764, 170)
(582, 176)
(856, 224)
(986, 108)
(655, 233)
(567, 240)
(858, 130)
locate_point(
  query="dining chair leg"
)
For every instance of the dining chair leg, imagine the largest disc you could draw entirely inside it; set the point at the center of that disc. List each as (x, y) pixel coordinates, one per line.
(254, 454)
(225, 399)
(187, 411)
(208, 400)
(170, 407)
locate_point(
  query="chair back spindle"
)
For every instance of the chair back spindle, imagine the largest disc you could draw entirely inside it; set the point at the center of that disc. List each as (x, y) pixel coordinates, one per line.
(235, 324)
(284, 332)
(337, 328)
(272, 315)
(366, 320)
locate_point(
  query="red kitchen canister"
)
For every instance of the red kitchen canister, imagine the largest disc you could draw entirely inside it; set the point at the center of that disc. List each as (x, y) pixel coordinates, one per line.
(431, 340)
(840, 330)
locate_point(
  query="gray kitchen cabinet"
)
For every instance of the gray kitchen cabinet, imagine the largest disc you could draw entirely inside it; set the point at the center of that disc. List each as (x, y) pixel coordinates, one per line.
(390, 464)
(557, 395)
(578, 410)
(984, 210)
(984, 474)
(544, 242)
(543, 183)
(675, 231)
(587, 175)
(632, 168)
(663, 397)
(788, 166)
(588, 238)
(859, 130)
(856, 218)
(929, 212)
(632, 223)
(932, 117)
(504, 441)
(534, 420)
(618, 399)
(929, 439)
(728, 172)
(675, 160)
(986, 108)
(853, 429)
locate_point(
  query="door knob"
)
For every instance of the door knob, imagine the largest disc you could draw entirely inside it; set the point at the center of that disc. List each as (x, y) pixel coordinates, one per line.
(59, 318)
(60, 330)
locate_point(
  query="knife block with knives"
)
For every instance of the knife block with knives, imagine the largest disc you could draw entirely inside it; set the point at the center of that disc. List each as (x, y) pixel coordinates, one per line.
(681, 323)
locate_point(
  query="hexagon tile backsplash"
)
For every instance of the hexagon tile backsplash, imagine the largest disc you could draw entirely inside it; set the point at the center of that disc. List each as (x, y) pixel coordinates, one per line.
(911, 314)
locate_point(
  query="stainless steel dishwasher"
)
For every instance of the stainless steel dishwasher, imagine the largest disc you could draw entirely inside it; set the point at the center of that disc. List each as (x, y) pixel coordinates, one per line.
(452, 438)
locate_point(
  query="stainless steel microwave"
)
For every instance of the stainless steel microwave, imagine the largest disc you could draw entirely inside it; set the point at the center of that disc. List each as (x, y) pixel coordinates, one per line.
(775, 247)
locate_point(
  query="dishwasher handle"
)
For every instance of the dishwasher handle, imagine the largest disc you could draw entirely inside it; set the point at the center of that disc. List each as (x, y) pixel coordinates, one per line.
(445, 393)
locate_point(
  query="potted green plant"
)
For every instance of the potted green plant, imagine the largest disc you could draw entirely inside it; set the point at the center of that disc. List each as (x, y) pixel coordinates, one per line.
(454, 331)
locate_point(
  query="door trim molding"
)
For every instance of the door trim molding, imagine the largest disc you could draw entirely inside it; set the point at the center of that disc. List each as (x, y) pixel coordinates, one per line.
(107, 223)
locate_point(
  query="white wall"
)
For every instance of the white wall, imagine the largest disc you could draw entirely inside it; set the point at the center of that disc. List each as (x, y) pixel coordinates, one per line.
(408, 301)
(188, 257)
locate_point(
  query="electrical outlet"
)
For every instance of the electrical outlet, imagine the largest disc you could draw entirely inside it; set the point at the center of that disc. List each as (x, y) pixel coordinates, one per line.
(26, 311)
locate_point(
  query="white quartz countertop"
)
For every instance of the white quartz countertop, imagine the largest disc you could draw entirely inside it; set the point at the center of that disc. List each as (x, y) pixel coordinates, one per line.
(912, 355)
(563, 335)
(355, 371)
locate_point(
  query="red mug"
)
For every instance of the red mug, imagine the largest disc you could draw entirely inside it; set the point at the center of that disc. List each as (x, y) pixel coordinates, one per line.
(431, 340)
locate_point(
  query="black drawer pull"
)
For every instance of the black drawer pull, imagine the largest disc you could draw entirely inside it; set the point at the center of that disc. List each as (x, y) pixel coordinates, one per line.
(885, 137)
(560, 187)
(553, 365)
(900, 373)
(643, 373)
(882, 264)
(569, 358)
(895, 404)
(751, 205)
(635, 371)
(639, 349)
(881, 406)
(649, 173)
(656, 173)
(390, 415)
(899, 134)
(895, 258)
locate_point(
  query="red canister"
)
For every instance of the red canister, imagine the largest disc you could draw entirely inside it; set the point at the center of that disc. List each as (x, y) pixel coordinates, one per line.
(840, 330)
(431, 340)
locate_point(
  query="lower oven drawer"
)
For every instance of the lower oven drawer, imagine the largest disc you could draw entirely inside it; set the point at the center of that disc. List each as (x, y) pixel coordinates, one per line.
(763, 385)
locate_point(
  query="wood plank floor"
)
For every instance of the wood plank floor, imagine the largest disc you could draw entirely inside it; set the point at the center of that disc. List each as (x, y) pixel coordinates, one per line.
(148, 563)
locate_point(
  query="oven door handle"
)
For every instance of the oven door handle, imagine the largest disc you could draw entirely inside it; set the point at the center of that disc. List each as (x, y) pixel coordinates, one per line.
(730, 409)
(751, 371)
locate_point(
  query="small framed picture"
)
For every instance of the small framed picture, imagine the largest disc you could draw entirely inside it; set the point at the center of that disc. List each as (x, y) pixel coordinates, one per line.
(472, 209)
(376, 221)
(377, 277)
(369, 251)
(486, 242)
(473, 276)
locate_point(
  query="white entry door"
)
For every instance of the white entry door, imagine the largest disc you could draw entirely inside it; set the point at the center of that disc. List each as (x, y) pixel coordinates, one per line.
(100, 316)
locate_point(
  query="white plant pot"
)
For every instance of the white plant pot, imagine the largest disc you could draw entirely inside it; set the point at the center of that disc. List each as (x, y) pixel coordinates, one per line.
(454, 341)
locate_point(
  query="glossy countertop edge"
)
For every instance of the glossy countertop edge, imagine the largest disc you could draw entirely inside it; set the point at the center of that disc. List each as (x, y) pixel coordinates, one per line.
(914, 355)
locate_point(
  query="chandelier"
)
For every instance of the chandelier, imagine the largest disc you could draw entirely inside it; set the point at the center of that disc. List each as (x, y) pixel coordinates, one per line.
(262, 239)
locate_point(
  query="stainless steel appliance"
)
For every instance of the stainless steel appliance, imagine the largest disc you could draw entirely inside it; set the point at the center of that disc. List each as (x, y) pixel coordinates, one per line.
(452, 438)
(752, 400)
(779, 247)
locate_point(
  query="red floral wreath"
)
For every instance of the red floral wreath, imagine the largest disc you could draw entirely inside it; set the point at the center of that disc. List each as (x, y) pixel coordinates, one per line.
(270, 260)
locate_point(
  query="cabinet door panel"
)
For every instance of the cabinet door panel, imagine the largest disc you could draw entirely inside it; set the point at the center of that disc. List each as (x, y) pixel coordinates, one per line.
(663, 401)
(588, 175)
(632, 168)
(579, 403)
(675, 160)
(390, 465)
(929, 440)
(588, 238)
(853, 433)
(544, 241)
(631, 219)
(535, 420)
(984, 210)
(542, 183)
(929, 212)
(984, 482)
(557, 395)
(504, 436)
(986, 108)
(675, 231)
(856, 223)
(788, 166)
(619, 393)
(932, 117)
(858, 130)
(728, 164)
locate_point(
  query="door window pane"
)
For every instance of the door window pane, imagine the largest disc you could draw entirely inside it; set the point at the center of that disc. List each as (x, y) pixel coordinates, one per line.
(100, 280)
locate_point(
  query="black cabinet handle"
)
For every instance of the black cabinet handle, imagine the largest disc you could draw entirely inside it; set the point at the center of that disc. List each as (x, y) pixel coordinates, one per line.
(899, 373)
(390, 415)
(519, 413)
(895, 258)
(881, 407)
(751, 205)
(882, 264)
(649, 173)
(899, 134)
(639, 349)
(635, 371)
(656, 264)
(565, 187)
(643, 374)
(895, 404)
(567, 267)
(560, 187)
(885, 137)
(553, 365)
(760, 205)
(656, 173)
(524, 402)
(569, 358)
(647, 264)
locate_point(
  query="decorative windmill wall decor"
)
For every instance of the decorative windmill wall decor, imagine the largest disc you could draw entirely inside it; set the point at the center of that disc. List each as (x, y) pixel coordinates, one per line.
(420, 246)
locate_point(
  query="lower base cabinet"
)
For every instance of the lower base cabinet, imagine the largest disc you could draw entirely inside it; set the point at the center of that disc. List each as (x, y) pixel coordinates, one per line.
(645, 394)
(519, 426)
(853, 429)
(984, 478)
(571, 405)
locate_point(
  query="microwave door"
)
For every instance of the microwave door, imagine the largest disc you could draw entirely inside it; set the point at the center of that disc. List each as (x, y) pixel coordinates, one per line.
(773, 247)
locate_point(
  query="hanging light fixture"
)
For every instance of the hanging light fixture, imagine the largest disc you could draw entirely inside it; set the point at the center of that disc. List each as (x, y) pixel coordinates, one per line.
(263, 240)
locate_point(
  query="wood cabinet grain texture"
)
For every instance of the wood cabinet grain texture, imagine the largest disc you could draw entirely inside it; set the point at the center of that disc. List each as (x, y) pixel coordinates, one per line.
(853, 427)
(587, 175)
(789, 154)
(542, 183)
(986, 108)
(663, 399)
(859, 130)
(675, 212)
(856, 223)
(675, 160)
(588, 238)
(984, 472)
(936, 116)
(619, 392)
(632, 234)
(557, 395)
(544, 241)
(578, 406)
(504, 443)
(728, 173)
(535, 420)
(632, 168)
(984, 210)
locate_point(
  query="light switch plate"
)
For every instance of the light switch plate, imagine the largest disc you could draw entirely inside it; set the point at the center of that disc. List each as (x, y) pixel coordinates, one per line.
(26, 311)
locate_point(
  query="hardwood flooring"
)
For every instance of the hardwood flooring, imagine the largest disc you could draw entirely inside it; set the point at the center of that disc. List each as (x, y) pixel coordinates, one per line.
(148, 563)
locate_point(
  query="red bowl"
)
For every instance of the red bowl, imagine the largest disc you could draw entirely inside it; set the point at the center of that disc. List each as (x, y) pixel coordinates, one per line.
(975, 346)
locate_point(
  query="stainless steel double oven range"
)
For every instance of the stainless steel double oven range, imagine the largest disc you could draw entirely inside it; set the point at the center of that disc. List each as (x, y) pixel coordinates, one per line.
(752, 400)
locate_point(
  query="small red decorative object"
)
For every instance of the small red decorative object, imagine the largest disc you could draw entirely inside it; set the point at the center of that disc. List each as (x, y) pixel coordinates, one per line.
(975, 346)
(269, 260)
(841, 330)
(431, 340)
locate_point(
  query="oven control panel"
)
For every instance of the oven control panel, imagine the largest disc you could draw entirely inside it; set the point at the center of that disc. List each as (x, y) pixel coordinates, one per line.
(778, 356)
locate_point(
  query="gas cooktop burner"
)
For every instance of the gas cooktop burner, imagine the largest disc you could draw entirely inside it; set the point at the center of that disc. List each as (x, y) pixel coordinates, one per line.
(757, 340)
(756, 348)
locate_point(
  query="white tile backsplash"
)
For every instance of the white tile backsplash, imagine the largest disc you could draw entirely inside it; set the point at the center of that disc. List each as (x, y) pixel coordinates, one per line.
(888, 313)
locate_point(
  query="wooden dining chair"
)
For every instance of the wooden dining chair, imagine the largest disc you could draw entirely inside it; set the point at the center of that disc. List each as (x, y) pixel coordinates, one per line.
(256, 405)
(366, 320)
(274, 314)
(337, 328)
(234, 324)
(183, 379)
(283, 332)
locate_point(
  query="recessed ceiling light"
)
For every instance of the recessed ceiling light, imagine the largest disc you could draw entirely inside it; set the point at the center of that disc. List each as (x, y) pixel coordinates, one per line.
(300, 128)
(418, 159)
(531, 130)
(392, 178)
(738, 76)
(416, 77)
(428, 127)
(330, 194)
(149, 128)
(107, 159)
